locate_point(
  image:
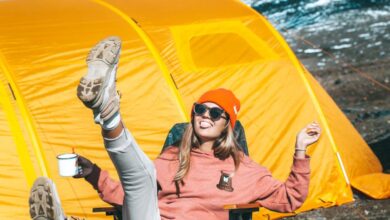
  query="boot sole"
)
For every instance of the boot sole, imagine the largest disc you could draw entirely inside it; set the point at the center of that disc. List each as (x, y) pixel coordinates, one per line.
(41, 202)
(106, 51)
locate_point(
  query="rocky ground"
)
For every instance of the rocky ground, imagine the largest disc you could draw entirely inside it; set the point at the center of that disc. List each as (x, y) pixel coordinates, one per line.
(363, 208)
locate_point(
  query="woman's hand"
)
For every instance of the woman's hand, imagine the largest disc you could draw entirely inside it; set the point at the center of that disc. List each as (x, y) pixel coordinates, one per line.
(307, 136)
(85, 167)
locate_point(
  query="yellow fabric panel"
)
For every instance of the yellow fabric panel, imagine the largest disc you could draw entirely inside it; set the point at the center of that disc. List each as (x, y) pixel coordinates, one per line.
(14, 187)
(176, 12)
(376, 185)
(236, 45)
(237, 55)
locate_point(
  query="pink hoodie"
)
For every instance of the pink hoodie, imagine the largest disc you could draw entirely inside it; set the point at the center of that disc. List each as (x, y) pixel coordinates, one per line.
(200, 198)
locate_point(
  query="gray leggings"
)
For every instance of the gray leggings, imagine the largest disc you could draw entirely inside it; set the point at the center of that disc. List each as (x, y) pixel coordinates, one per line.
(138, 176)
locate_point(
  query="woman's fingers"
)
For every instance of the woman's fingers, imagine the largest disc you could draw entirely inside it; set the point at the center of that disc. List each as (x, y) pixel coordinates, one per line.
(313, 131)
(308, 135)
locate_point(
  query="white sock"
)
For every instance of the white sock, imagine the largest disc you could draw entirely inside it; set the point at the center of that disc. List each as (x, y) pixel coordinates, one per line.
(112, 123)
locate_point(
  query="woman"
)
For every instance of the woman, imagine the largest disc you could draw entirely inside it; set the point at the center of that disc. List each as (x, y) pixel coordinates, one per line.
(205, 172)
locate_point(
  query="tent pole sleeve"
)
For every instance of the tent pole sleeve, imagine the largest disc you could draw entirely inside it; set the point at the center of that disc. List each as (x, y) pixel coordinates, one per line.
(342, 167)
(154, 52)
(21, 146)
(312, 95)
(26, 116)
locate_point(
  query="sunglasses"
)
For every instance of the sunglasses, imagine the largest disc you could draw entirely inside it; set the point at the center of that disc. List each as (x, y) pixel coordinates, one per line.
(214, 112)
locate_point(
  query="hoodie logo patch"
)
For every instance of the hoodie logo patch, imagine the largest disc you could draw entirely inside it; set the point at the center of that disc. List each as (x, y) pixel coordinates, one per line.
(225, 182)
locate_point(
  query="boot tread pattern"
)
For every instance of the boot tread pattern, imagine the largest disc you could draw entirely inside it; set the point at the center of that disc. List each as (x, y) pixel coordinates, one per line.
(41, 202)
(106, 51)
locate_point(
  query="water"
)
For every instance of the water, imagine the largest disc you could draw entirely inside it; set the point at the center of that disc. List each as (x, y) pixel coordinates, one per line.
(292, 14)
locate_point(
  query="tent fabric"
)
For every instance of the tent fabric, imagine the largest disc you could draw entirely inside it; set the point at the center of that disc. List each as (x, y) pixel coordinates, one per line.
(14, 188)
(172, 53)
(378, 187)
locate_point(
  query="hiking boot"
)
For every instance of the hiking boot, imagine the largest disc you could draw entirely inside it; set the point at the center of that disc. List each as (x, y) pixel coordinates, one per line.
(44, 201)
(97, 89)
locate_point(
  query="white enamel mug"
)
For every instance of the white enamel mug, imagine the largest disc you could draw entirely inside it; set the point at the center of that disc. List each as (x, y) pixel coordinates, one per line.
(67, 164)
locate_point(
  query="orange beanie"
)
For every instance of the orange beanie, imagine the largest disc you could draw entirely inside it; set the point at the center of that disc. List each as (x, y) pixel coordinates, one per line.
(225, 99)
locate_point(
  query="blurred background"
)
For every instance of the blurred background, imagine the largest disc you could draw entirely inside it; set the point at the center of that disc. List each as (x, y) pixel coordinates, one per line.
(345, 44)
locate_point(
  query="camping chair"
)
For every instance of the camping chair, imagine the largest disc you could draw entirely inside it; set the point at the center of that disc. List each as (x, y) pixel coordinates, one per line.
(236, 211)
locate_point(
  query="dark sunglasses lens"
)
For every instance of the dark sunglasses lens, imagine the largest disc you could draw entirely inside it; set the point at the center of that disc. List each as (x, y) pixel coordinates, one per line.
(200, 109)
(215, 113)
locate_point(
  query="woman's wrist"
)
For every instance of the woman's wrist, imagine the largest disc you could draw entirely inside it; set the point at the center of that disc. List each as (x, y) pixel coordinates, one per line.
(300, 151)
(300, 147)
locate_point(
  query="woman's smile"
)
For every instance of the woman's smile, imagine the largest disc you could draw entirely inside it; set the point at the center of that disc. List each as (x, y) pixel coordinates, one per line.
(204, 124)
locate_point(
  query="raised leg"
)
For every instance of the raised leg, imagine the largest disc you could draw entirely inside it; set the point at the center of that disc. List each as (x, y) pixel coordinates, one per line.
(97, 90)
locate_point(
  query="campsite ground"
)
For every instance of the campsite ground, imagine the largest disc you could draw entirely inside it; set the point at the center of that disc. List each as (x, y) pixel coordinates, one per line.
(351, 60)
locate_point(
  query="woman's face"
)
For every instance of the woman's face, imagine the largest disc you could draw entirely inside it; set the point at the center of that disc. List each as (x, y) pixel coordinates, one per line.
(207, 129)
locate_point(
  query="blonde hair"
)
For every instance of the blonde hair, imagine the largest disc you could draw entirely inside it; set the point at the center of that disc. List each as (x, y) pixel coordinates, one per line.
(224, 147)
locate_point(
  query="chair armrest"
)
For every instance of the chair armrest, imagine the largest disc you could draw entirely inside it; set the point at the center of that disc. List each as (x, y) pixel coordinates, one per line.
(117, 213)
(104, 209)
(241, 211)
(242, 206)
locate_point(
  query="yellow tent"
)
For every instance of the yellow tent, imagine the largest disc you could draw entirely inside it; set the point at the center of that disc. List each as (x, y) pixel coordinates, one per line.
(173, 51)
